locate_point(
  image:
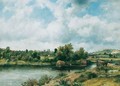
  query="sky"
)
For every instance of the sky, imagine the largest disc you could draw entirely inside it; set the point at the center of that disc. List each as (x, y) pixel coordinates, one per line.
(47, 24)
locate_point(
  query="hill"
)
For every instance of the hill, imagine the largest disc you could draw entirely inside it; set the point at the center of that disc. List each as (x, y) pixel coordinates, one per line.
(107, 51)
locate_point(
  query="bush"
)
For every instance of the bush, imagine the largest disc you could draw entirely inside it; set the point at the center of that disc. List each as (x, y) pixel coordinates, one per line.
(63, 82)
(91, 75)
(31, 82)
(86, 76)
(61, 75)
(117, 79)
(46, 59)
(77, 84)
(35, 60)
(44, 79)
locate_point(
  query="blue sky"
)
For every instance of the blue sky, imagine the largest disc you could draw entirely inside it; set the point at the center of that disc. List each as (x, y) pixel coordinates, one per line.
(47, 24)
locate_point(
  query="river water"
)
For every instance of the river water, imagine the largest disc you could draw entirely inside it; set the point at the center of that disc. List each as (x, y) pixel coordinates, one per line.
(16, 76)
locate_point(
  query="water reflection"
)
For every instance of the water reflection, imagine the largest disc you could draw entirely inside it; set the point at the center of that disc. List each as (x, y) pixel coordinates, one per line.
(16, 76)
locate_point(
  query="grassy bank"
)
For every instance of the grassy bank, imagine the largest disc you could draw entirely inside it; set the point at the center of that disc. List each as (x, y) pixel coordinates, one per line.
(4, 62)
(89, 77)
(20, 63)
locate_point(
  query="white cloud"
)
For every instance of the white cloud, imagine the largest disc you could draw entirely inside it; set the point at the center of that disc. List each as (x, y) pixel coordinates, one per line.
(112, 9)
(91, 32)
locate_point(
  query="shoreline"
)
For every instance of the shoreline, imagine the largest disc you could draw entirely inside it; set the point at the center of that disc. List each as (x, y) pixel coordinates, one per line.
(44, 65)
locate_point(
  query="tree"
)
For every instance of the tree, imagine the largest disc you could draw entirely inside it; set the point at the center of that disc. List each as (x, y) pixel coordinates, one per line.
(7, 49)
(35, 55)
(75, 56)
(65, 52)
(80, 54)
(110, 55)
(55, 50)
(26, 50)
(8, 56)
(85, 55)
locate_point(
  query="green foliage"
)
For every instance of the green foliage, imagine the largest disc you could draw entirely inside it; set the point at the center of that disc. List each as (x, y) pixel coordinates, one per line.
(86, 76)
(103, 69)
(46, 59)
(33, 82)
(20, 55)
(44, 79)
(7, 50)
(61, 75)
(35, 55)
(117, 79)
(55, 50)
(80, 54)
(63, 82)
(110, 55)
(64, 53)
(30, 82)
(91, 75)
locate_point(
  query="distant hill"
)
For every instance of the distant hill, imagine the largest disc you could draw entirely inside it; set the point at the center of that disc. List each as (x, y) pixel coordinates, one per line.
(107, 51)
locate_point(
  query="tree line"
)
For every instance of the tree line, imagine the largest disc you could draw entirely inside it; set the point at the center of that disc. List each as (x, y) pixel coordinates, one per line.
(64, 53)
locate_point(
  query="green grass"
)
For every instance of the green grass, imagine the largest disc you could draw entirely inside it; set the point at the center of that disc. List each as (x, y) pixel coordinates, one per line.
(21, 62)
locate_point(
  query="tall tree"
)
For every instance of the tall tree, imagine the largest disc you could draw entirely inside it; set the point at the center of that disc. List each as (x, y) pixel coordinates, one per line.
(65, 52)
(7, 49)
(80, 54)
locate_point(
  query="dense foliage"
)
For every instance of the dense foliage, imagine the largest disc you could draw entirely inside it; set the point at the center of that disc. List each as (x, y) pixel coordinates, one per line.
(27, 55)
(64, 53)
(33, 82)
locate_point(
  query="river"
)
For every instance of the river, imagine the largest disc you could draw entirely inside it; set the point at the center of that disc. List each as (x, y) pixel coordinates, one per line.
(16, 76)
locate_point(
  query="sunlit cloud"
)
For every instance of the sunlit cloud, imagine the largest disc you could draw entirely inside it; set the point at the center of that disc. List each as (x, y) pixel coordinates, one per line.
(47, 24)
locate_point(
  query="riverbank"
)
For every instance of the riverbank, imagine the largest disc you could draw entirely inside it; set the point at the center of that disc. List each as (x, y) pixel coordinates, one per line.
(90, 77)
(20, 63)
(4, 63)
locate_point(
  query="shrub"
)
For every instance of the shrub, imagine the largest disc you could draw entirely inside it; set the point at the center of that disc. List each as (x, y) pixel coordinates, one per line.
(61, 75)
(63, 82)
(117, 79)
(35, 60)
(44, 79)
(86, 76)
(60, 63)
(77, 84)
(31, 82)
(91, 75)
(46, 59)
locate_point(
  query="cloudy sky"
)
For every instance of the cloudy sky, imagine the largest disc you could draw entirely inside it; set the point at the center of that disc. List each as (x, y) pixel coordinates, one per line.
(46, 24)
